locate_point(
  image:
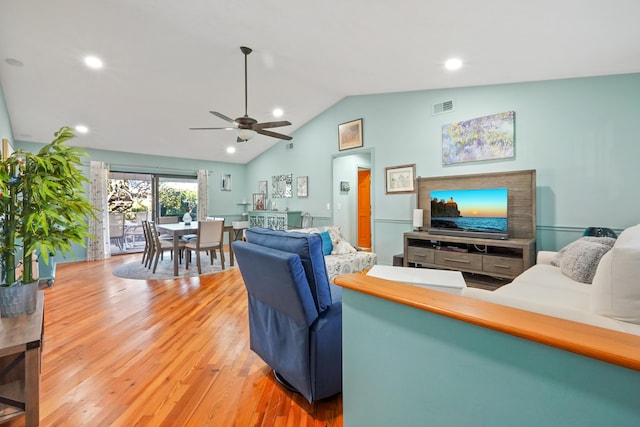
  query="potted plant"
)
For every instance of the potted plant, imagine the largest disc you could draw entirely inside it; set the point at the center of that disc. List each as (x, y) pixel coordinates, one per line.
(42, 210)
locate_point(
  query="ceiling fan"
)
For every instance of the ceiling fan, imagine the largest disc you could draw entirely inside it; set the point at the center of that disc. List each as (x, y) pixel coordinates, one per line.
(246, 126)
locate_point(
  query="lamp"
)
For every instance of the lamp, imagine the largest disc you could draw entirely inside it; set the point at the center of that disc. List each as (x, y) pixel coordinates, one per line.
(246, 134)
(599, 232)
(417, 219)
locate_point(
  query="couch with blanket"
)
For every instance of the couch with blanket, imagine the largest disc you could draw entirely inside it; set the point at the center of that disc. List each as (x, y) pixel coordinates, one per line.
(295, 320)
(339, 255)
(594, 280)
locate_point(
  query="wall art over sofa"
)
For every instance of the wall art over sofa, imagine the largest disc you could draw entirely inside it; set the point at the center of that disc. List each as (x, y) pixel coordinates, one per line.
(483, 138)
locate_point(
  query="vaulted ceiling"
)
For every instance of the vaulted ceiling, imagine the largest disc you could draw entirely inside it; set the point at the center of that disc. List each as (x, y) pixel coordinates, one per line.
(167, 63)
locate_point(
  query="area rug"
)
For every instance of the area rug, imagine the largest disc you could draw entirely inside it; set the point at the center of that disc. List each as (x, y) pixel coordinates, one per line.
(136, 270)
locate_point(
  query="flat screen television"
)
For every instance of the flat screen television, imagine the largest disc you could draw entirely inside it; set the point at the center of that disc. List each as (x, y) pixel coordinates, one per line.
(478, 213)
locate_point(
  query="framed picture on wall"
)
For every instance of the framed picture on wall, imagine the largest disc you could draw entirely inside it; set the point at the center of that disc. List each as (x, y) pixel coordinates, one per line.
(302, 184)
(350, 135)
(400, 179)
(262, 187)
(225, 182)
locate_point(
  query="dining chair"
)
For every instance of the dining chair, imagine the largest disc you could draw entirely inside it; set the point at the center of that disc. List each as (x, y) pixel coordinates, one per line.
(147, 242)
(159, 245)
(209, 238)
(116, 229)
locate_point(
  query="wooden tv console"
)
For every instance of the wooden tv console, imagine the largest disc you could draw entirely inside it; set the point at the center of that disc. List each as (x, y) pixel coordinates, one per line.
(499, 258)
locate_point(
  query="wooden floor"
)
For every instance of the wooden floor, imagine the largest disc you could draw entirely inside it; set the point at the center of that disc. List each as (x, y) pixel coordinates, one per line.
(121, 352)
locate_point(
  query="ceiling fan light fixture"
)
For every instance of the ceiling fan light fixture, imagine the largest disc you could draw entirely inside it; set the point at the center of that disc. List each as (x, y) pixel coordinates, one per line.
(246, 134)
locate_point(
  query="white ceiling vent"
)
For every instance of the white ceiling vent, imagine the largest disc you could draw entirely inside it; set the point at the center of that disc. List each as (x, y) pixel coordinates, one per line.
(442, 107)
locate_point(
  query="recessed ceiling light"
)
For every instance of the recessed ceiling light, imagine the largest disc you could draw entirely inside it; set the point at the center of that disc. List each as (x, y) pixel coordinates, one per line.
(82, 129)
(93, 62)
(453, 64)
(231, 150)
(277, 112)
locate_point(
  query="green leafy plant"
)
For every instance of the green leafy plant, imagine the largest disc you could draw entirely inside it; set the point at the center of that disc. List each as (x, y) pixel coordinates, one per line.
(42, 205)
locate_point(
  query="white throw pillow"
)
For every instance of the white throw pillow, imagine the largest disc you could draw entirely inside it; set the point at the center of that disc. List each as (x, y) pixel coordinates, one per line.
(335, 232)
(343, 247)
(616, 285)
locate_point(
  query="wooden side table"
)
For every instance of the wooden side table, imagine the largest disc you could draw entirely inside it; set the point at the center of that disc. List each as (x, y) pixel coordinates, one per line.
(21, 341)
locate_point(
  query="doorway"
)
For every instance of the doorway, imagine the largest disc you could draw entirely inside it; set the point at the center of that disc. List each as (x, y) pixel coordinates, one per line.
(364, 209)
(352, 182)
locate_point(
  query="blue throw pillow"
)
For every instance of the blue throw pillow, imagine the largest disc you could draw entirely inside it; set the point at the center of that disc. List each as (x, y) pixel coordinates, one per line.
(327, 246)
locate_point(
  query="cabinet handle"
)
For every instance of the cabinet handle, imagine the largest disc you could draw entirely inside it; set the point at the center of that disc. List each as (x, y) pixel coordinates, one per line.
(501, 266)
(464, 261)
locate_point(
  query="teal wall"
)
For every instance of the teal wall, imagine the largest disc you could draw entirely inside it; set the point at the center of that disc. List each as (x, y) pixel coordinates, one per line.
(407, 367)
(579, 134)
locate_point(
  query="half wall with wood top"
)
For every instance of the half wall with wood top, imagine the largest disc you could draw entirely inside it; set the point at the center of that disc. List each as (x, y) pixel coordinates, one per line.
(415, 357)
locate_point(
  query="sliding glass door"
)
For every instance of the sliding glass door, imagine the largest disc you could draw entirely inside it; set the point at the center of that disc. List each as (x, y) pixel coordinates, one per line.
(134, 197)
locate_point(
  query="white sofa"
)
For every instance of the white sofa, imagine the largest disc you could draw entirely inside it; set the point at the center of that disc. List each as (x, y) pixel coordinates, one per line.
(611, 301)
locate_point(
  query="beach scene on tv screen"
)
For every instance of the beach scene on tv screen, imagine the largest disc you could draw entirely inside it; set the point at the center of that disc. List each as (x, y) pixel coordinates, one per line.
(471, 210)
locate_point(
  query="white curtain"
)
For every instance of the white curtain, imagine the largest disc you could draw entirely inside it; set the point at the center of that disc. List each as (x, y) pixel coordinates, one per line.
(99, 248)
(203, 194)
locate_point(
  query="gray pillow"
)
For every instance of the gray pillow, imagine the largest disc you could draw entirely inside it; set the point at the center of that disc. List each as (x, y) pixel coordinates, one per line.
(609, 241)
(579, 260)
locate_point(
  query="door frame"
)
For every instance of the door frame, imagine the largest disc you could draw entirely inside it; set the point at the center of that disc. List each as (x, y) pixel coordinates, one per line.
(335, 190)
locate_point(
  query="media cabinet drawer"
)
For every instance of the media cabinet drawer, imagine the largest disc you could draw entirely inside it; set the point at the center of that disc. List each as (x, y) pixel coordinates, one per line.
(459, 260)
(420, 255)
(502, 265)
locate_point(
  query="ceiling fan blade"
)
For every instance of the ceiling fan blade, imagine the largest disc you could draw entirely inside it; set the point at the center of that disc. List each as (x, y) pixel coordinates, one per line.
(264, 125)
(222, 116)
(274, 134)
(213, 128)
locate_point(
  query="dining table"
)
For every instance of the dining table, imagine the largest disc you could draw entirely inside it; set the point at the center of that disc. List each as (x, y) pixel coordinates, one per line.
(180, 229)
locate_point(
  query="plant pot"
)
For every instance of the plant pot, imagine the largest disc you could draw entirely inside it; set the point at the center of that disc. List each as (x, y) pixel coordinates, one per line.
(18, 300)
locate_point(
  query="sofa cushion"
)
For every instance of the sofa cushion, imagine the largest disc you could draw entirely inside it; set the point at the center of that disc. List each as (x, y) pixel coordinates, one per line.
(629, 237)
(309, 247)
(616, 285)
(579, 260)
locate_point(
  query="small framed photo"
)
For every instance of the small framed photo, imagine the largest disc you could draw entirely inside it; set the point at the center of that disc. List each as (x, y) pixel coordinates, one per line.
(400, 179)
(344, 186)
(350, 135)
(259, 201)
(225, 182)
(262, 187)
(303, 188)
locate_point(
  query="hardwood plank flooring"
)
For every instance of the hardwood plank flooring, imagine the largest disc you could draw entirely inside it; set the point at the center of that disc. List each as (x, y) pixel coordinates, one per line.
(120, 352)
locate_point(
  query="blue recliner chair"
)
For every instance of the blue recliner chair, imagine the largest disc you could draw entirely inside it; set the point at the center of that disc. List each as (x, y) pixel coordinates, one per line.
(295, 323)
